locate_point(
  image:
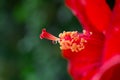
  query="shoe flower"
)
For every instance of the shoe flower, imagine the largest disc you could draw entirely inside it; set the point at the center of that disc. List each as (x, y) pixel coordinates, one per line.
(93, 54)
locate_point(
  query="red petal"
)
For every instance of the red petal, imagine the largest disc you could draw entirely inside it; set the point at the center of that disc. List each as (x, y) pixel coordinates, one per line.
(93, 14)
(83, 64)
(110, 69)
(112, 44)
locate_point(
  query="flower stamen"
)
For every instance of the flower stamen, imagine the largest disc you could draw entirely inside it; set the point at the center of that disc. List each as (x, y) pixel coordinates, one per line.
(71, 40)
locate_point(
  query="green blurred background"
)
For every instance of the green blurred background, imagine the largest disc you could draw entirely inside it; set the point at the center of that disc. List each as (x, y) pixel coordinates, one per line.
(23, 56)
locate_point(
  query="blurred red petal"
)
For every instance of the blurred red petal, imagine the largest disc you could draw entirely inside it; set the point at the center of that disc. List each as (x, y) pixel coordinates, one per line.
(93, 14)
(83, 64)
(112, 42)
(110, 70)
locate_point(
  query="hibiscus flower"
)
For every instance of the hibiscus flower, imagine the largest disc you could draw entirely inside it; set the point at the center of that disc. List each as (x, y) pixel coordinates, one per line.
(95, 53)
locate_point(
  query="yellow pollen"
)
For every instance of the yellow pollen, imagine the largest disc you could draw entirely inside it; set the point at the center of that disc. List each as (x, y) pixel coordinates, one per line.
(87, 33)
(71, 40)
(84, 32)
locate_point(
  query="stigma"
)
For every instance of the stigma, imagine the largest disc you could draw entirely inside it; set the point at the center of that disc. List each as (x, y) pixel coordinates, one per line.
(71, 40)
(47, 35)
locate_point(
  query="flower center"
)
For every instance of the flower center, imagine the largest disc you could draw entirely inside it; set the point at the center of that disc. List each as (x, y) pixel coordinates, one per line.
(69, 40)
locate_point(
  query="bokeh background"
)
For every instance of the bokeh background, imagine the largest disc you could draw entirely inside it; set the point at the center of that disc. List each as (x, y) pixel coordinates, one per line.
(23, 56)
